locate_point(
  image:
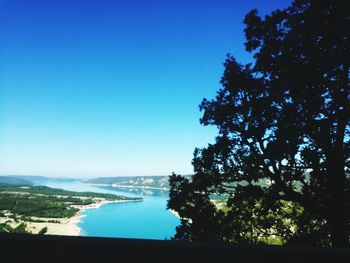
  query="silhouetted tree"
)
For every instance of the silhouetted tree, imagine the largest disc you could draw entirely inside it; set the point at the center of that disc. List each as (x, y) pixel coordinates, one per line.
(282, 157)
(43, 230)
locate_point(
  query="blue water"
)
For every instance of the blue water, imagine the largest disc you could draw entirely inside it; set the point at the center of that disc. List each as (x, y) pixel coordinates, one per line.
(148, 219)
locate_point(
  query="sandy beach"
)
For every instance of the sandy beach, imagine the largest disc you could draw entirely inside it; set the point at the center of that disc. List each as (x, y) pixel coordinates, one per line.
(67, 226)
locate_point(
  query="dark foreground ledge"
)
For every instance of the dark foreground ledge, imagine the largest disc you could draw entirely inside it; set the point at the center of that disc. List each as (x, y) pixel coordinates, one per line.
(35, 248)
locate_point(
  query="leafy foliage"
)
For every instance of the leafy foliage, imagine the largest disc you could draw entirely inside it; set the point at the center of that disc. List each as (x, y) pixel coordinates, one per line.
(35, 205)
(21, 228)
(282, 155)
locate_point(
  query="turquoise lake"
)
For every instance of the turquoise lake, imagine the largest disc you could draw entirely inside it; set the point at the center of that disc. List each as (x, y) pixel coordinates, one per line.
(146, 220)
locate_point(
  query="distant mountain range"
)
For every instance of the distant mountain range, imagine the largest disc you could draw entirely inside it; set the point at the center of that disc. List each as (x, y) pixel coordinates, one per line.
(145, 182)
(156, 182)
(16, 180)
(27, 179)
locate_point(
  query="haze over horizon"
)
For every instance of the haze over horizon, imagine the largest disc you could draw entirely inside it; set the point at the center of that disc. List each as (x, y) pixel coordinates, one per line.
(112, 88)
(81, 177)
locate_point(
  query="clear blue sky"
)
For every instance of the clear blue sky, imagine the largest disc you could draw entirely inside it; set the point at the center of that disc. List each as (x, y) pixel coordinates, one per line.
(108, 88)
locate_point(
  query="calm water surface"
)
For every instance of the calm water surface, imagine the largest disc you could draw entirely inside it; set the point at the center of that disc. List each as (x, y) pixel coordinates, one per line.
(148, 219)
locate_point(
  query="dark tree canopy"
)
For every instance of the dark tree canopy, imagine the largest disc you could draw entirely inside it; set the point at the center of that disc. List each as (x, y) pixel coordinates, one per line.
(279, 170)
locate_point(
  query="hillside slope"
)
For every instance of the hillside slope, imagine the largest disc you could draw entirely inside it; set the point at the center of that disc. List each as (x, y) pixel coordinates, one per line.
(159, 182)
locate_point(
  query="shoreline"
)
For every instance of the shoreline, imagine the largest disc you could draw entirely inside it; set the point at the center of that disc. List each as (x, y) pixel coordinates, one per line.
(130, 186)
(67, 226)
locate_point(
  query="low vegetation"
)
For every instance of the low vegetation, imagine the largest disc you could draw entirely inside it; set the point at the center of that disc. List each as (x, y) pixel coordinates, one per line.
(27, 203)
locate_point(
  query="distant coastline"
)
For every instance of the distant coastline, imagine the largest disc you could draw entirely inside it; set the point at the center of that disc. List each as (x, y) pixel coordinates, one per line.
(130, 186)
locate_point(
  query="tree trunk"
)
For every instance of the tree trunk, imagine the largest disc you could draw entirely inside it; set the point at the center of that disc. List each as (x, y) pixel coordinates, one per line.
(337, 214)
